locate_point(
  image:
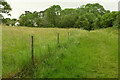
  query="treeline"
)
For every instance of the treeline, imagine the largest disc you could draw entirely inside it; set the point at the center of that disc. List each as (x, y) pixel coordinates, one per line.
(89, 17)
(10, 22)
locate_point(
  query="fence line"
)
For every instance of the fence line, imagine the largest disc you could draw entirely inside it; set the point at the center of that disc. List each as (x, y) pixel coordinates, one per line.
(58, 38)
(32, 47)
(68, 35)
(32, 51)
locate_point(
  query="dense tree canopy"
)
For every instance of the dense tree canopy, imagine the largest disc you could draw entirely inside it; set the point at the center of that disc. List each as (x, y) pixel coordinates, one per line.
(86, 21)
(89, 17)
(107, 20)
(96, 8)
(67, 18)
(52, 14)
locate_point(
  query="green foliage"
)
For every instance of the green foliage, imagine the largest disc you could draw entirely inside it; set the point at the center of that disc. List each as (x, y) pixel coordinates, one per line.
(50, 18)
(9, 22)
(52, 14)
(30, 19)
(97, 23)
(82, 22)
(68, 18)
(107, 20)
(86, 21)
(96, 9)
(67, 21)
(68, 11)
(4, 7)
(89, 17)
(116, 22)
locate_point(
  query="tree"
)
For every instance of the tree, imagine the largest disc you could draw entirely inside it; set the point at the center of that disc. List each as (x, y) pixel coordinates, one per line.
(116, 23)
(52, 14)
(89, 17)
(22, 20)
(96, 9)
(68, 18)
(97, 23)
(86, 21)
(4, 7)
(82, 22)
(9, 22)
(13, 21)
(67, 21)
(6, 21)
(107, 20)
(27, 19)
(68, 12)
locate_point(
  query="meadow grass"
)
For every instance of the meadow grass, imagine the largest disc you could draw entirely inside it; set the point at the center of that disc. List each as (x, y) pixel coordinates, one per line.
(87, 54)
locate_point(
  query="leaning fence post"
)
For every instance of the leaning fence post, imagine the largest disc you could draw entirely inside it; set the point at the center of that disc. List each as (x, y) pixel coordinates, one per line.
(58, 38)
(32, 56)
(68, 35)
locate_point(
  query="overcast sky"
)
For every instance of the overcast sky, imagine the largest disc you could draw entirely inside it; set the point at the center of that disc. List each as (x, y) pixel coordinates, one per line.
(19, 6)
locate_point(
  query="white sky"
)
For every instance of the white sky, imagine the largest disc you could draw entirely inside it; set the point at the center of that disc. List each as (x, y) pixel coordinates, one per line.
(19, 6)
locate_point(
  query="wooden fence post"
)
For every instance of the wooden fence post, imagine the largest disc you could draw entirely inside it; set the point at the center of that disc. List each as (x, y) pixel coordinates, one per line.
(68, 35)
(58, 38)
(32, 56)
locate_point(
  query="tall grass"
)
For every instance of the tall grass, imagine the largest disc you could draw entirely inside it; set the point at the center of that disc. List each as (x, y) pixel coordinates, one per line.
(90, 55)
(86, 55)
(16, 46)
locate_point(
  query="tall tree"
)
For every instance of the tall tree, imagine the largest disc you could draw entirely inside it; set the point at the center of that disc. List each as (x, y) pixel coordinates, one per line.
(96, 8)
(86, 21)
(68, 18)
(52, 14)
(67, 21)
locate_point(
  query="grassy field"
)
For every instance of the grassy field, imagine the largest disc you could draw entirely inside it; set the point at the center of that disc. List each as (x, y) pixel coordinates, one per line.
(87, 54)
